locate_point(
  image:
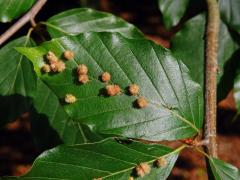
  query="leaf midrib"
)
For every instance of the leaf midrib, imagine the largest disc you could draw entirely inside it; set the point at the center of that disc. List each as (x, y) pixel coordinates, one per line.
(18, 66)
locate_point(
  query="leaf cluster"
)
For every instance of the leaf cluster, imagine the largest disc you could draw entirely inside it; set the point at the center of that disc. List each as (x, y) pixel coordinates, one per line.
(100, 136)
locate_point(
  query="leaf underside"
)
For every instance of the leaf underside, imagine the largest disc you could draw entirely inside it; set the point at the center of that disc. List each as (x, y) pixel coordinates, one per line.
(223, 171)
(101, 160)
(175, 101)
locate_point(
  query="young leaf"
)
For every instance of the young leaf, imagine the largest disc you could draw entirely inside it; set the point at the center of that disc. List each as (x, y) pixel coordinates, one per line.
(188, 45)
(17, 80)
(12, 9)
(76, 21)
(175, 101)
(230, 13)
(107, 159)
(172, 11)
(223, 171)
(52, 125)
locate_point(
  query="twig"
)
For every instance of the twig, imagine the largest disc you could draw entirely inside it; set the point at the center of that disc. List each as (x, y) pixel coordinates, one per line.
(29, 16)
(211, 50)
(203, 142)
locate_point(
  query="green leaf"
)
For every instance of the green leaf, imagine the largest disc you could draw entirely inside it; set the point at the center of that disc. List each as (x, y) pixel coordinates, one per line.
(237, 91)
(16, 74)
(175, 101)
(17, 80)
(12, 9)
(107, 159)
(237, 83)
(223, 171)
(188, 45)
(230, 13)
(80, 20)
(51, 124)
(172, 11)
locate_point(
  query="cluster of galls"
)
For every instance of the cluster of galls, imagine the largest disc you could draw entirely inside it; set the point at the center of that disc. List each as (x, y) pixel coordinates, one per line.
(54, 64)
(143, 169)
(141, 102)
(133, 90)
(82, 72)
(111, 89)
(114, 89)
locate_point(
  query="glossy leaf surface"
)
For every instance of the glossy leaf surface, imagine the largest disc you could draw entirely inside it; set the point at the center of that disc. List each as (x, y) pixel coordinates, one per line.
(12, 9)
(76, 21)
(172, 11)
(175, 101)
(230, 13)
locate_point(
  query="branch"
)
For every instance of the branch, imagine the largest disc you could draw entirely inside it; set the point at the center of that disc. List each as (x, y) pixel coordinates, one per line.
(211, 50)
(29, 16)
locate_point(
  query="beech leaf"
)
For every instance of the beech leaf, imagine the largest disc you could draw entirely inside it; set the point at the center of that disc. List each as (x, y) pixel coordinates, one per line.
(175, 103)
